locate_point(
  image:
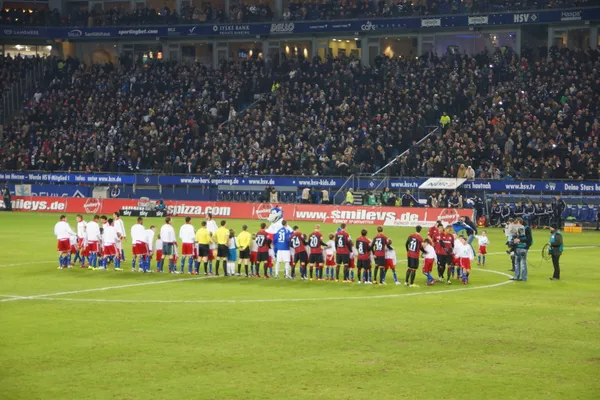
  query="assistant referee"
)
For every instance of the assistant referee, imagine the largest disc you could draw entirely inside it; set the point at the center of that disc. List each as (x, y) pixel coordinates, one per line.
(203, 238)
(222, 239)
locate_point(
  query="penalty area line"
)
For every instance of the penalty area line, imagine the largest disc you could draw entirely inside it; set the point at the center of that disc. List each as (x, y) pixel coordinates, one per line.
(217, 301)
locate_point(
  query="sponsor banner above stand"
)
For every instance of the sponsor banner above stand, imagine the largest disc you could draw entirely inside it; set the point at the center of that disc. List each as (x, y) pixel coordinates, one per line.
(288, 28)
(389, 216)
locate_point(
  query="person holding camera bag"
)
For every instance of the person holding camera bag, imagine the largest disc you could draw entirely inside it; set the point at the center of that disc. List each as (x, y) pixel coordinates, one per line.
(556, 249)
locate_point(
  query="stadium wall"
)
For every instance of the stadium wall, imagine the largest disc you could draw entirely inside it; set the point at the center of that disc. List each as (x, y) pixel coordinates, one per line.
(388, 216)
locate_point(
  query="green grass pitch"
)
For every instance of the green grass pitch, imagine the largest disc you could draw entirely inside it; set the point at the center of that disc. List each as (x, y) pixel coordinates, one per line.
(82, 334)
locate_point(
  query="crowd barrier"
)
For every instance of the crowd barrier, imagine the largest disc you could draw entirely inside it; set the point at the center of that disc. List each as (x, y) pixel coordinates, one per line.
(388, 216)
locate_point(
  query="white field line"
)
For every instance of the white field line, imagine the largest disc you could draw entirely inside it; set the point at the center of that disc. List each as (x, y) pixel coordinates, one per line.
(41, 296)
(46, 296)
(385, 296)
(489, 254)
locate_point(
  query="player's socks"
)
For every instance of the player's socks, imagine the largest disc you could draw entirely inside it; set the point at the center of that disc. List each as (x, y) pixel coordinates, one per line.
(337, 272)
(206, 268)
(413, 274)
(190, 265)
(217, 265)
(375, 273)
(483, 258)
(271, 271)
(210, 267)
(369, 275)
(117, 262)
(382, 276)
(122, 254)
(68, 259)
(293, 267)
(395, 275)
(407, 276)
(246, 269)
(351, 274)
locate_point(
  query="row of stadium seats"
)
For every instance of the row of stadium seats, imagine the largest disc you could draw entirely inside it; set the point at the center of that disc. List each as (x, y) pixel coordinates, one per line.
(574, 212)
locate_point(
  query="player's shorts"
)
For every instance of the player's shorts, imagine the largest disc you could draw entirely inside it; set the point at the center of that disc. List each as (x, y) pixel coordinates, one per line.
(211, 254)
(232, 255)
(253, 257)
(262, 256)
(330, 260)
(140, 249)
(222, 251)
(80, 242)
(301, 257)
(73, 249)
(428, 265)
(352, 264)
(465, 264)
(245, 254)
(109, 250)
(159, 255)
(380, 261)
(187, 249)
(64, 245)
(444, 259)
(413, 263)
(283, 256)
(364, 264)
(342, 259)
(483, 250)
(168, 249)
(455, 261)
(316, 258)
(270, 262)
(92, 247)
(389, 264)
(203, 250)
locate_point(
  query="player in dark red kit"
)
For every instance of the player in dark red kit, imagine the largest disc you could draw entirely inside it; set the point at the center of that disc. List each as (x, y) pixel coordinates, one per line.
(298, 243)
(380, 242)
(446, 248)
(343, 247)
(264, 243)
(363, 248)
(315, 243)
(414, 245)
(435, 235)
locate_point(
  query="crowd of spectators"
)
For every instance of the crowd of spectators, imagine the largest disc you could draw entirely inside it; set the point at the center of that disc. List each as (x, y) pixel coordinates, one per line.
(296, 10)
(158, 116)
(502, 116)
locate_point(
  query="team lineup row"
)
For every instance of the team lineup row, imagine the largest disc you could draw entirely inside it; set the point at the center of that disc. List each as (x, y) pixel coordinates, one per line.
(99, 243)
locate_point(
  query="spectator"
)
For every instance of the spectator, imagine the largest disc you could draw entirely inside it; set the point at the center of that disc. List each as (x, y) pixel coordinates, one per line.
(470, 174)
(325, 196)
(349, 197)
(523, 242)
(408, 200)
(306, 195)
(115, 192)
(273, 197)
(462, 172)
(6, 197)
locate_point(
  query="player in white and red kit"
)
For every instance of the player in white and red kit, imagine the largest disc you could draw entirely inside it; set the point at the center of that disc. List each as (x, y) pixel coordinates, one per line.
(430, 260)
(110, 237)
(92, 231)
(329, 258)
(390, 260)
(139, 245)
(81, 253)
(63, 233)
(483, 244)
(120, 228)
(187, 234)
(149, 241)
(465, 255)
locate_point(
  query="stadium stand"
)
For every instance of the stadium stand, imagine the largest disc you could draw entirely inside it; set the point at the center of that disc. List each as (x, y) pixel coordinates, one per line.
(509, 118)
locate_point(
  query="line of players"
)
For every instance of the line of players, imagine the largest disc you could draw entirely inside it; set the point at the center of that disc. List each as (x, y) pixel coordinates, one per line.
(104, 236)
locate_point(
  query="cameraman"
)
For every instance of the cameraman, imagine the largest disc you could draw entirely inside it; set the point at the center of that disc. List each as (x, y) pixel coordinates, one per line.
(523, 242)
(6, 198)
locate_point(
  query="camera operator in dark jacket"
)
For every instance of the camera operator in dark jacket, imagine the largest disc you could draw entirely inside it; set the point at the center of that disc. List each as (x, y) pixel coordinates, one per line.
(7, 198)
